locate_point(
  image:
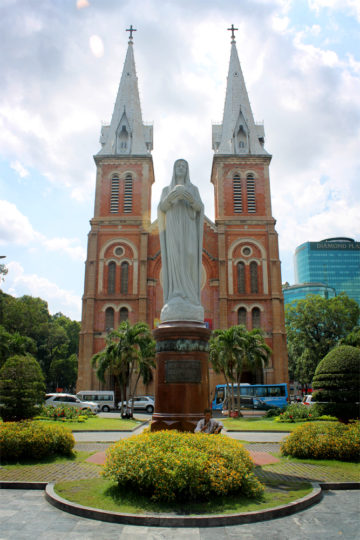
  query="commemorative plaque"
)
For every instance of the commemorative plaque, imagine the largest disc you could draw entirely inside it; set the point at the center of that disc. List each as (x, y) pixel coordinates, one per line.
(183, 371)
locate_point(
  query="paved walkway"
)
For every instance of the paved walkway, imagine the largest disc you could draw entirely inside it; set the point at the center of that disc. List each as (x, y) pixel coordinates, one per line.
(25, 515)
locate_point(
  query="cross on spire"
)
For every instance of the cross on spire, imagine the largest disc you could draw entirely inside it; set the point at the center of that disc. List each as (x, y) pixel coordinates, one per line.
(232, 30)
(131, 30)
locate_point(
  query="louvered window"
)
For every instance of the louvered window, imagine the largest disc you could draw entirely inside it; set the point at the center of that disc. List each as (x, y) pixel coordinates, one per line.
(241, 277)
(242, 316)
(124, 280)
(128, 194)
(237, 194)
(124, 314)
(114, 196)
(109, 319)
(111, 277)
(254, 286)
(256, 319)
(250, 187)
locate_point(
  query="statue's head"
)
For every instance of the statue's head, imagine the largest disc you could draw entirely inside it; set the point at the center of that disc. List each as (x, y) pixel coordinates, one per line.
(181, 172)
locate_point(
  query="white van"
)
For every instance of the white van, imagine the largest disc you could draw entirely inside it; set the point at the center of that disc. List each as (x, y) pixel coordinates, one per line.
(104, 398)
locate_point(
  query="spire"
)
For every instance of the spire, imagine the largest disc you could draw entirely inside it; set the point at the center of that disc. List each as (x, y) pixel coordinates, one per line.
(238, 133)
(126, 134)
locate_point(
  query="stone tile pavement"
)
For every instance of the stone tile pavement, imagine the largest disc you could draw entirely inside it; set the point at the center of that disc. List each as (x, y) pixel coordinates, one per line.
(25, 515)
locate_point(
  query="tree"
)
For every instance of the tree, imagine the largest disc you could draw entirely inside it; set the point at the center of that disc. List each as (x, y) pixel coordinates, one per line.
(314, 326)
(63, 372)
(21, 388)
(352, 339)
(234, 349)
(129, 350)
(336, 382)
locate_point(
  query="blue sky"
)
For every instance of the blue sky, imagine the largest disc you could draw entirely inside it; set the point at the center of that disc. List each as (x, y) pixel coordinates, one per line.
(61, 63)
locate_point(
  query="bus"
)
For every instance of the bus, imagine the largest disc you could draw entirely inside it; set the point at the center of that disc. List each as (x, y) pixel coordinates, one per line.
(254, 396)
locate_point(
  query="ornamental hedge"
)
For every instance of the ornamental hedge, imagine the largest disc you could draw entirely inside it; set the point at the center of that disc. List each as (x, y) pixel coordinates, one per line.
(34, 440)
(169, 465)
(328, 440)
(336, 383)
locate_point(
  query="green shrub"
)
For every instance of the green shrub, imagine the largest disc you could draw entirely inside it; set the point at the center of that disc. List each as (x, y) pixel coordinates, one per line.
(336, 383)
(168, 465)
(33, 440)
(295, 413)
(58, 413)
(22, 388)
(328, 440)
(275, 411)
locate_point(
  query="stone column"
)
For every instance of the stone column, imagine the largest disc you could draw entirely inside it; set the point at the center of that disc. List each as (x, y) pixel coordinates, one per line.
(182, 375)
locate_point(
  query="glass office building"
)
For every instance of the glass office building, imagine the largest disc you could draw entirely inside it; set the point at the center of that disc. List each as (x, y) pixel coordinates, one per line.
(334, 262)
(302, 290)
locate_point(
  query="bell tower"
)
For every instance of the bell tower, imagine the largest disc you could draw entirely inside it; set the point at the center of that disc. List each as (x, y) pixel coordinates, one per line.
(116, 266)
(250, 290)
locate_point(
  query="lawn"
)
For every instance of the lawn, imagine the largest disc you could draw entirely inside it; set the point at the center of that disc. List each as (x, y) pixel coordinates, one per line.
(258, 424)
(97, 423)
(105, 495)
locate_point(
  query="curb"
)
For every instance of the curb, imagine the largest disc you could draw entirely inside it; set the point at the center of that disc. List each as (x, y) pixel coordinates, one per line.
(163, 520)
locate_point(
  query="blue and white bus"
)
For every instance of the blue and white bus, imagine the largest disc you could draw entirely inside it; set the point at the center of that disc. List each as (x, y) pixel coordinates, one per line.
(255, 396)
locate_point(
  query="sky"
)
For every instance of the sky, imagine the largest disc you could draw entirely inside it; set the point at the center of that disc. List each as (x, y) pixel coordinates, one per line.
(61, 63)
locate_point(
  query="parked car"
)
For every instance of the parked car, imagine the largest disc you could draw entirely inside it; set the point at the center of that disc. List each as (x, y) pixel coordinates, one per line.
(307, 400)
(68, 400)
(140, 402)
(104, 398)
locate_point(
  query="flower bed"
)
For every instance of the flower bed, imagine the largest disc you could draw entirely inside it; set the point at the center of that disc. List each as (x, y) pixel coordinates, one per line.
(33, 440)
(328, 440)
(168, 465)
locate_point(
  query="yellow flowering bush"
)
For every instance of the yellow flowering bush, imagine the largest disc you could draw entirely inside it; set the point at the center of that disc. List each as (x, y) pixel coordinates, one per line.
(169, 465)
(34, 440)
(328, 440)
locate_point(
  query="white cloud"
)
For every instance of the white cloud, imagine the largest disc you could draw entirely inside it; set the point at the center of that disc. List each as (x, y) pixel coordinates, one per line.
(96, 46)
(14, 226)
(18, 283)
(18, 167)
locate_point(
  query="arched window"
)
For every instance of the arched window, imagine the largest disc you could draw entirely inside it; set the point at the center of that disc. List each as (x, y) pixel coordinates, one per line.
(128, 192)
(256, 319)
(237, 197)
(111, 277)
(254, 287)
(114, 196)
(124, 314)
(242, 316)
(109, 319)
(124, 279)
(241, 277)
(250, 187)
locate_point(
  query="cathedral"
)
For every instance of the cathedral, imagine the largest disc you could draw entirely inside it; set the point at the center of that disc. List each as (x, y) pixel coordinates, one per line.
(241, 276)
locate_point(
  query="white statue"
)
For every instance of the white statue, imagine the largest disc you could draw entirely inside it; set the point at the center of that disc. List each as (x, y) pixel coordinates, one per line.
(180, 218)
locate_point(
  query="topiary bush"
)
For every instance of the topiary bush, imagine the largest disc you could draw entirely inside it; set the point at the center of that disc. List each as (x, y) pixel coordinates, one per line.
(169, 465)
(22, 388)
(328, 440)
(336, 383)
(34, 440)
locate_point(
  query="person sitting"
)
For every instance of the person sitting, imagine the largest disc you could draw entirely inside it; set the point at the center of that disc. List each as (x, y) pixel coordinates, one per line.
(208, 424)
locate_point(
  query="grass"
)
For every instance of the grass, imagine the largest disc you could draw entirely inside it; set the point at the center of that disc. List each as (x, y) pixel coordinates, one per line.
(259, 424)
(77, 457)
(97, 423)
(105, 495)
(349, 467)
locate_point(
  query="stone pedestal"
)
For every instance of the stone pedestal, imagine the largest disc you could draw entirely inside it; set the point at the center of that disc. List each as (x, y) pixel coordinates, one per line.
(182, 375)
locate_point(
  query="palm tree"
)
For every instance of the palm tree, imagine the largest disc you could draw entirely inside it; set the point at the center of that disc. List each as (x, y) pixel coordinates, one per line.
(234, 349)
(226, 355)
(129, 350)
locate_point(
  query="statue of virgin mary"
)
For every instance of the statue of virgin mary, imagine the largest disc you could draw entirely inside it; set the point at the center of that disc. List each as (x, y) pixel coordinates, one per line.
(180, 218)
